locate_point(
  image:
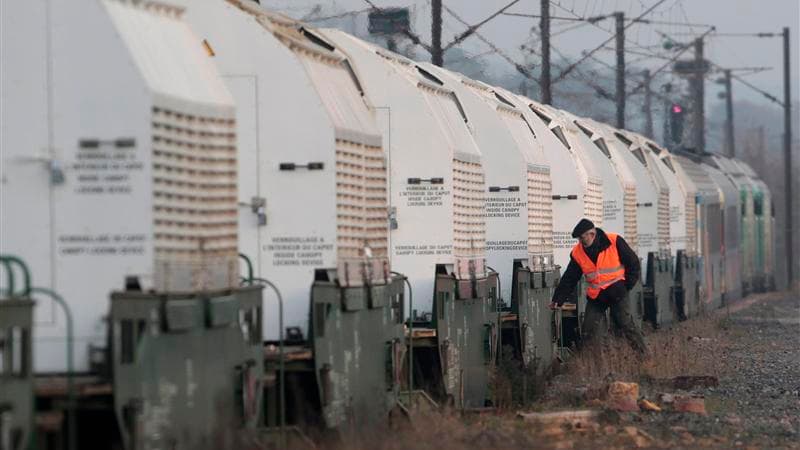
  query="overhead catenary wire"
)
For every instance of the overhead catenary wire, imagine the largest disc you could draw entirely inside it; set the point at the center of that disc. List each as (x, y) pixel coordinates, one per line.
(519, 67)
(613, 36)
(473, 28)
(634, 42)
(671, 60)
(572, 19)
(589, 80)
(743, 81)
(604, 16)
(336, 16)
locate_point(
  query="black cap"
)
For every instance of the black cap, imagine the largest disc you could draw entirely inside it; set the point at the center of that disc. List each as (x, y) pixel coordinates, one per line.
(582, 227)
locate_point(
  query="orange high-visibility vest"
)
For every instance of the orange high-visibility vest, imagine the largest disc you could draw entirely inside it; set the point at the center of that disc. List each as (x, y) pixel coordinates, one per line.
(606, 272)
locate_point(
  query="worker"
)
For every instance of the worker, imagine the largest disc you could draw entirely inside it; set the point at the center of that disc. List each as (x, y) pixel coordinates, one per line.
(611, 269)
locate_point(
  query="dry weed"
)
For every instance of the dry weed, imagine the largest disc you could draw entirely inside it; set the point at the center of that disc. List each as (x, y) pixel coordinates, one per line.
(687, 348)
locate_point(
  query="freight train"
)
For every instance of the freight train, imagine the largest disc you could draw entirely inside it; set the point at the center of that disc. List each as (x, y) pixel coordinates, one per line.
(219, 223)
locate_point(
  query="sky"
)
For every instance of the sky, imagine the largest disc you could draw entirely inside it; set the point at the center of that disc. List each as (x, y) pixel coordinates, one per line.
(508, 32)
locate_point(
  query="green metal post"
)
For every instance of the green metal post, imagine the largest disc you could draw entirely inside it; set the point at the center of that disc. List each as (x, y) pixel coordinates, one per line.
(249, 267)
(26, 273)
(9, 275)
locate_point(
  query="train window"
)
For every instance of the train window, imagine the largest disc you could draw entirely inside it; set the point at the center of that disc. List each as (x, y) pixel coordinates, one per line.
(743, 203)
(758, 205)
(127, 343)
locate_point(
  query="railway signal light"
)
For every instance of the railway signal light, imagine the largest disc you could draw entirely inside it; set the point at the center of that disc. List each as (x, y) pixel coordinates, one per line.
(677, 113)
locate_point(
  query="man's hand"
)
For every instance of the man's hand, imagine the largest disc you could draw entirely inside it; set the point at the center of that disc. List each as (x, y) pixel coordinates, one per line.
(555, 305)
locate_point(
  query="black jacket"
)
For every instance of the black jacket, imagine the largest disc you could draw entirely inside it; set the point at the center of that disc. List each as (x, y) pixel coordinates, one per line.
(573, 274)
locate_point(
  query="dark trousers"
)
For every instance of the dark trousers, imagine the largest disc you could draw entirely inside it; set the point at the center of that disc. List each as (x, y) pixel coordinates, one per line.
(594, 322)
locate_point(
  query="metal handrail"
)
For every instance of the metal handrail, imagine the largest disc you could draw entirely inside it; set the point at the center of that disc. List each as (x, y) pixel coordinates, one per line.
(7, 261)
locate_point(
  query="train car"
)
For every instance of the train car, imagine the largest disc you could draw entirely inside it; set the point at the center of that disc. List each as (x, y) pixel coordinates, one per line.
(708, 243)
(598, 175)
(656, 269)
(681, 232)
(763, 252)
(729, 232)
(120, 181)
(684, 240)
(519, 242)
(438, 240)
(577, 192)
(747, 220)
(313, 217)
(89, 164)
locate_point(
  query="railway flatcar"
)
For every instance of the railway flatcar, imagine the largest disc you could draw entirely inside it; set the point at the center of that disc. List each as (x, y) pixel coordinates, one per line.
(313, 219)
(595, 178)
(438, 237)
(658, 306)
(576, 192)
(518, 215)
(680, 231)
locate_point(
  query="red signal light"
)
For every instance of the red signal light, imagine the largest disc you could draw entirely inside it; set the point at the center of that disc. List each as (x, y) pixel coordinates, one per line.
(677, 109)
